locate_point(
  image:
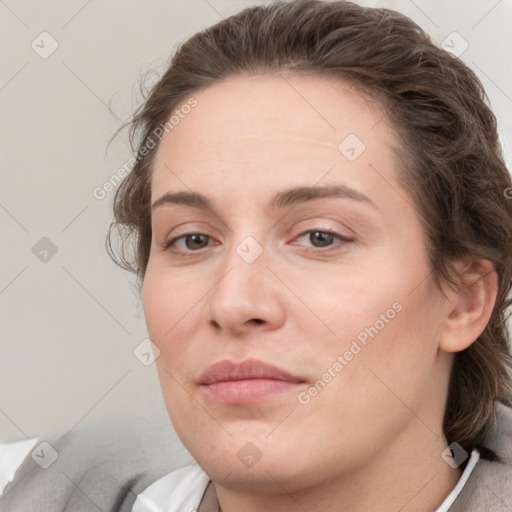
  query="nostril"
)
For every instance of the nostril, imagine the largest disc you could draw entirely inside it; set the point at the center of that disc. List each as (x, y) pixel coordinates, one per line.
(257, 320)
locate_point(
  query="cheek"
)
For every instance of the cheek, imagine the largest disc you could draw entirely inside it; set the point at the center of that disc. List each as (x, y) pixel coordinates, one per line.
(382, 377)
(170, 307)
(345, 302)
(395, 362)
(383, 321)
(170, 318)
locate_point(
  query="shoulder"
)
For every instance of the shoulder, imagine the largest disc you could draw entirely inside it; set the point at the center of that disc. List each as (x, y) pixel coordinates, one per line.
(103, 466)
(489, 487)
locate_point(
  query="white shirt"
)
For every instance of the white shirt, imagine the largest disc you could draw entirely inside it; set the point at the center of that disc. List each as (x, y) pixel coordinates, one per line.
(11, 457)
(182, 490)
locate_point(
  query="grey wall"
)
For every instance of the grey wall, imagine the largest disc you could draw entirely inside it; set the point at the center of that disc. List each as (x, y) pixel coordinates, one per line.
(70, 320)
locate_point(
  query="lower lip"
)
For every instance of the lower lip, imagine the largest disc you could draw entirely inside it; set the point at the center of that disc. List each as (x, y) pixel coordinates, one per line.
(247, 391)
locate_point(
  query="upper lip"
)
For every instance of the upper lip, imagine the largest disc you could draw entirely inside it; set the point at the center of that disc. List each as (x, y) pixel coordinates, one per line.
(226, 370)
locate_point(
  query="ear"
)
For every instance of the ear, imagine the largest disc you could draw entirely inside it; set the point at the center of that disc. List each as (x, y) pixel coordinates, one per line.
(469, 307)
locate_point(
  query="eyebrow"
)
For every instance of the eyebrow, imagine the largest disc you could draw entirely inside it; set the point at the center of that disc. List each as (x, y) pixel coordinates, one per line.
(288, 197)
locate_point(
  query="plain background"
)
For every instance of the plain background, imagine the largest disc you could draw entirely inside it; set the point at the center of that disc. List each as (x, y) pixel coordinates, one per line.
(70, 324)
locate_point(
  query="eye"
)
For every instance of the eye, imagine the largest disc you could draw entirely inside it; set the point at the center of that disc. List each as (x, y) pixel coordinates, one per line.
(189, 242)
(323, 238)
(193, 242)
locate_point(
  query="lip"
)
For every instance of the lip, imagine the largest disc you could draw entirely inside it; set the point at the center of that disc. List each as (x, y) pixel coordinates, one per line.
(246, 382)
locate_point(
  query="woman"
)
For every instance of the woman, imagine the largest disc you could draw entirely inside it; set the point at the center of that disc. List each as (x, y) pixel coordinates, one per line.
(323, 241)
(324, 248)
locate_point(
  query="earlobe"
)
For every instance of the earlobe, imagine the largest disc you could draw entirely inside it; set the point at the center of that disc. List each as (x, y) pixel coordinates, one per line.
(469, 308)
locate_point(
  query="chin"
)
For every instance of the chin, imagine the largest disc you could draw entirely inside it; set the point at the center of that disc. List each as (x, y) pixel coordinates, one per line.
(248, 460)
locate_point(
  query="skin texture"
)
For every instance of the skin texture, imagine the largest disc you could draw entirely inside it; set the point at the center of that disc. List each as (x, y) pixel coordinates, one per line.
(371, 439)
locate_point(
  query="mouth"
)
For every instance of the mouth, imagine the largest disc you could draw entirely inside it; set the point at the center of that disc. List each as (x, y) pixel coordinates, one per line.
(249, 381)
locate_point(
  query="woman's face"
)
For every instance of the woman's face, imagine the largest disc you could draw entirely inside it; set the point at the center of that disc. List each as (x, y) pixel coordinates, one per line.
(303, 253)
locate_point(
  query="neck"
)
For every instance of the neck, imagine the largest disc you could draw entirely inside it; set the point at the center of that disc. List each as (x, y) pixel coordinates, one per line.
(409, 476)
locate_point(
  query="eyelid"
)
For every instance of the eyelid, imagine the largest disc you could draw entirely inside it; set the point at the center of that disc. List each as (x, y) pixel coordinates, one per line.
(312, 225)
(319, 227)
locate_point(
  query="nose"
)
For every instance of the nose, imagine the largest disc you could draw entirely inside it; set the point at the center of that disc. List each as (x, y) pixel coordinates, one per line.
(246, 296)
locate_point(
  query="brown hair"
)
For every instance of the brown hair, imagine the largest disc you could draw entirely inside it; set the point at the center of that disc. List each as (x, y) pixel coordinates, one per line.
(450, 152)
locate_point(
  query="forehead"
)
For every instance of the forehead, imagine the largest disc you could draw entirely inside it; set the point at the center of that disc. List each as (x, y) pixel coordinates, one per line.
(286, 127)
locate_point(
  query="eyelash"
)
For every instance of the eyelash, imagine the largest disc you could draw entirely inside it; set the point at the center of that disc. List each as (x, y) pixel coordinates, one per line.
(343, 239)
